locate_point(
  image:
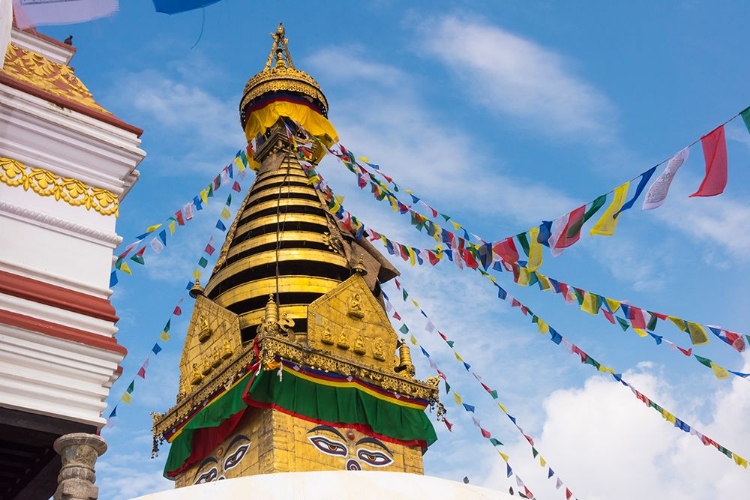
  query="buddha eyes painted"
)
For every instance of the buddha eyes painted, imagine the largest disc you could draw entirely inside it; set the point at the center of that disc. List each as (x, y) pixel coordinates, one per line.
(236, 451)
(322, 438)
(374, 458)
(236, 457)
(329, 446)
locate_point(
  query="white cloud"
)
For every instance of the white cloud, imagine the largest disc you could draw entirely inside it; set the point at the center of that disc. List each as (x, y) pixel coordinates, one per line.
(518, 77)
(605, 444)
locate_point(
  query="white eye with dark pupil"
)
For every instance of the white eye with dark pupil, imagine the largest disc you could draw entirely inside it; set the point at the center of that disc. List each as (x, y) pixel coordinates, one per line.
(207, 477)
(328, 446)
(375, 458)
(235, 458)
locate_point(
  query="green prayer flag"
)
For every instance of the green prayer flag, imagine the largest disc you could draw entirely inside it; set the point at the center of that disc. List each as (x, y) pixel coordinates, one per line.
(495, 442)
(534, 452)
(746, 118)
(724, 451)
(167, 326)
(203, 262)
(533, 278)
(651, 321)
(656, 406)
(623, 323)
(404, 329)
(406, 294)
(493, 393)
(131, 387)
(703, 361)
(524, 241)
(137, 258)
(447, 387)
(450, 343)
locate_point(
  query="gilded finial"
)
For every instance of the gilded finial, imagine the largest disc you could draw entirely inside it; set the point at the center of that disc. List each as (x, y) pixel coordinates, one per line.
(359, 267)
(404, 356)
(196, 289)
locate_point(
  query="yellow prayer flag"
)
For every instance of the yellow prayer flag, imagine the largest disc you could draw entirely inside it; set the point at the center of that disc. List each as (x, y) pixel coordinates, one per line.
(457, 398)
(414, 302)
(364, 159)
(739, 460)
(458, 357)
(412, 257)
(542, 461)
(225, 213)
(124, 268)
(605, 369)
(543, 281)
(679, 323)
(153, 228)
(505, 457)
(126, 398)
(697, 333)
(413, 340)
(523, 276)
(543, 327)
(171, 227)
(165, 336)
(606, 225)
(196, 273)
(640, 332)
(613, 304)
(240, 165)
(502, 407)
(720, 372)
(204, 195)
(455, 225)
(535, 250)
(589, 303)
(668, 417)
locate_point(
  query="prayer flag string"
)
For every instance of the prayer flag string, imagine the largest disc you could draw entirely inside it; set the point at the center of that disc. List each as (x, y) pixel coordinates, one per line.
(430, 327)
(165, 335)
(180, 217)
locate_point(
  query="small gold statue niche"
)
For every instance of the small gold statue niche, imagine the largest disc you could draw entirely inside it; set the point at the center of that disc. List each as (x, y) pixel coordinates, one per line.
(355, 306)
(227, 351)
(378, 352)
(216, 358)
(359, 345)
(197, 377)
(404, 360)
(205, 328)
(207, 366)
(327, 336)
(343, 342)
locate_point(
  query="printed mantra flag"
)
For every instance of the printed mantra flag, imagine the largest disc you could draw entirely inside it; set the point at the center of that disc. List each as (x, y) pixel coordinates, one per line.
(658, 191)
(30, 13)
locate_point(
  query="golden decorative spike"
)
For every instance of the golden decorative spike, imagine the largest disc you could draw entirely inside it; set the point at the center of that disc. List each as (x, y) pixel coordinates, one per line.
(359, 267)
(197, 289)
(405, 364)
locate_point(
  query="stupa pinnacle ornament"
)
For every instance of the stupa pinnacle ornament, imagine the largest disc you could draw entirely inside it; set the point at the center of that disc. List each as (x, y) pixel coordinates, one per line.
(289, 347)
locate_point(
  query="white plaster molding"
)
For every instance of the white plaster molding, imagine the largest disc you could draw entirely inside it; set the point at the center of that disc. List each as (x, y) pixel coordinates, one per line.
(52, 51)
(104, 238)
(78, 146)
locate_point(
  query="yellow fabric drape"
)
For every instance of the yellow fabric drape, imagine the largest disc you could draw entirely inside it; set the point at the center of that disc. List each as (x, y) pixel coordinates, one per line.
(535, 250)
(260, 120)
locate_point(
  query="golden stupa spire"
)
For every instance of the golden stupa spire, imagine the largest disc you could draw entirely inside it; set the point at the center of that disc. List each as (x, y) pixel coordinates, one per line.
(279, 50)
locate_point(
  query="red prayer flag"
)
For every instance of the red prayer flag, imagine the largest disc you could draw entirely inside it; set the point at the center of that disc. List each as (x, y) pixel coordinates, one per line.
(610, 317)
(448, 425)
(485, 433)
(180, 218)
(142, 372)
(686, 352)
(177, 311)
(568, 493)
(398, 285)
(575, 219)
(636, 318)
(506, 249)
(396, 316)
(432, 258)
(236, 186)
(715, 154)
(209, 249)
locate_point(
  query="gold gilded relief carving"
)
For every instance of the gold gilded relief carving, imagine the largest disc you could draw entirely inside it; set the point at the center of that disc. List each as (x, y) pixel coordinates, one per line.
(343, 341)
(45, 183)
(56, 79)
(355, 306)
(359, 345)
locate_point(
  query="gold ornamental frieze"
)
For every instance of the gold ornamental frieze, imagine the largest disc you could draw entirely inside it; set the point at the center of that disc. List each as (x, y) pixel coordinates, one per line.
(56, 79)
(272, 348)
(349, 322)
(45, 183)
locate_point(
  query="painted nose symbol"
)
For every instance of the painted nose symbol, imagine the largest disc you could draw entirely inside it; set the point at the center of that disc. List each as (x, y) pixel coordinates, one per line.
(353, 465)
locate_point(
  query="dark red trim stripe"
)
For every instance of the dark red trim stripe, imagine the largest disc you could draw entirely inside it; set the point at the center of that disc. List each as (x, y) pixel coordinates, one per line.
(61, 331)
(56, 296)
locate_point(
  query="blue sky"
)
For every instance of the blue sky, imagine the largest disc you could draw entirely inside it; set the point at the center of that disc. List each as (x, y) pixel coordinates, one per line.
(501, 114)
